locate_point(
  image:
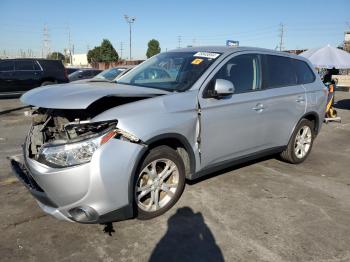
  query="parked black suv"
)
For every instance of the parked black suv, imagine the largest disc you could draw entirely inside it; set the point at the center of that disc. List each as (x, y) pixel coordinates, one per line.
(20, 75)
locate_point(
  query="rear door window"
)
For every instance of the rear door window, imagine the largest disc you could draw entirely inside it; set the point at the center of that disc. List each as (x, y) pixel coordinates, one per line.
(25, 65)
(304, 73)
(7, 66)
(278, 71)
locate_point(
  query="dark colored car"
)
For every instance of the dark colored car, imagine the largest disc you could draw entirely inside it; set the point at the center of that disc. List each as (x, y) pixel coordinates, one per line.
(20, 75)
(111, 74)
(71, 70)
(83, 74)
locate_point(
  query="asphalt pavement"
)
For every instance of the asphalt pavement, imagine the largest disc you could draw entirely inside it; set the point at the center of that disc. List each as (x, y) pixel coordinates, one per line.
(265, 210)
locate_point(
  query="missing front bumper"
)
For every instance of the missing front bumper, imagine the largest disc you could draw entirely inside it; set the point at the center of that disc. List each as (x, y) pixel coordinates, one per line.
(22, 173)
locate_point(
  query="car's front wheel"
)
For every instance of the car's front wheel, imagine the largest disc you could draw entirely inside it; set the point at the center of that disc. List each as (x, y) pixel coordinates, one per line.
(300, 144)
(159, 183)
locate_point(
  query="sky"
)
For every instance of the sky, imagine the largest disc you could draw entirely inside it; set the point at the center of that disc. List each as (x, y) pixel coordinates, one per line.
(306, 23)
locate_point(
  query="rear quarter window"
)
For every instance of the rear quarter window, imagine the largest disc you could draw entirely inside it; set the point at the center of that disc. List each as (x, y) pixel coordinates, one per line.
(304, 73)
(51, 65)
(25, 65)
(278, 71)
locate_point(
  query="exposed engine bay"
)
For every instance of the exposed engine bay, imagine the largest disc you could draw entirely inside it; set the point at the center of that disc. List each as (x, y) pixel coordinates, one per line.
(64, 126)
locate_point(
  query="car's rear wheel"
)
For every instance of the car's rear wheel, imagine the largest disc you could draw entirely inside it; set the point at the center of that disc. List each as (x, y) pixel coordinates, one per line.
(159, 183)
(300, 144)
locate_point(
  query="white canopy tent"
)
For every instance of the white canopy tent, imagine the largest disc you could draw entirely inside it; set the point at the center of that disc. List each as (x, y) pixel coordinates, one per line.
(328, 57)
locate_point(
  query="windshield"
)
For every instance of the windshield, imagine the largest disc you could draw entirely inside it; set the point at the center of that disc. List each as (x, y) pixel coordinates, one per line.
(171, 71)
(109, 74)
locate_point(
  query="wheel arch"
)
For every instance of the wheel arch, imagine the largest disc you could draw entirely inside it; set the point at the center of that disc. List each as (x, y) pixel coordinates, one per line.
(173, 140)
(311, 116)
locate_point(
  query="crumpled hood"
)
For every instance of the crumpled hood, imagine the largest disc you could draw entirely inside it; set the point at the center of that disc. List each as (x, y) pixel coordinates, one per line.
(80, 96)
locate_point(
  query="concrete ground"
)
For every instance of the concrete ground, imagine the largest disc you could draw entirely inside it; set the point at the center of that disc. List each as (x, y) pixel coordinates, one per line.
(266, 210)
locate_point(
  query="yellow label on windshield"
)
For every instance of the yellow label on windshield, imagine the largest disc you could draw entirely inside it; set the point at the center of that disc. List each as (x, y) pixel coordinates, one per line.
(197, 61)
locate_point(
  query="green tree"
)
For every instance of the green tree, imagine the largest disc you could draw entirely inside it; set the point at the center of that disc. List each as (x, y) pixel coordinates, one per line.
(103, 53)
(108, 53)
(153, 48)
(56, 56)
(94, 55)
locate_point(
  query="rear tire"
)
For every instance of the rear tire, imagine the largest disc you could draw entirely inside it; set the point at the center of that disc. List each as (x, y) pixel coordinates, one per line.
(300, 144)
(160, 181)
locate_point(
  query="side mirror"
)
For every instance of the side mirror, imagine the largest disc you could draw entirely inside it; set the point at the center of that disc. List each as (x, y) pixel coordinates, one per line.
(223, 88)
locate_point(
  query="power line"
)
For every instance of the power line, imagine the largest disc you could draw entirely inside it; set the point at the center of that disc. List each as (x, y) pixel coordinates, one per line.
(121, 50)
(194, 41)
(69, 46)
(281, 35)
(46, 42)
(179, 41)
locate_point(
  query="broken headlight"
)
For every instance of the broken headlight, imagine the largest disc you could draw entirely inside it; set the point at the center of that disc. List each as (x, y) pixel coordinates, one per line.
(69, 154)
(73, 153)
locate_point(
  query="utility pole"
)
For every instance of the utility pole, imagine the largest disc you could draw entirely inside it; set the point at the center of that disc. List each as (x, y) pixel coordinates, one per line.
(179, 41)
(281, 35)
(69, 46)
(46, 42)
(130, 21)
(194, 42)
(121, 50)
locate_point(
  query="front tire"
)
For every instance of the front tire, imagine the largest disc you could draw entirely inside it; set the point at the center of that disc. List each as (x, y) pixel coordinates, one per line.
(160, 182)
(300, 144)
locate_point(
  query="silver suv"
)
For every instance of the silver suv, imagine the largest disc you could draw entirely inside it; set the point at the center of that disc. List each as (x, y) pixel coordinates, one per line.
(102, 152)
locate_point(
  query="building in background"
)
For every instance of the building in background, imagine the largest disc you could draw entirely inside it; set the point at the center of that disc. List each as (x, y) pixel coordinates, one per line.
(347, 36)
(346, 45)
(79, 60)
(295, 51)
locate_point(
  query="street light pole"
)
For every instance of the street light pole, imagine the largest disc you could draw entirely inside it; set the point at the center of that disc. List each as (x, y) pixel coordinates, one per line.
(129, 20)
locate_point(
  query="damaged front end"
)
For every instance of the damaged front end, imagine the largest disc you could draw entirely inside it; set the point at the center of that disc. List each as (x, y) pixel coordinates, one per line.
(62, 138)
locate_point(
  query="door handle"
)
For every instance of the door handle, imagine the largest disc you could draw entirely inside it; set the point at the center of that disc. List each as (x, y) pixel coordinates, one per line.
(259, 107)
(300, 99)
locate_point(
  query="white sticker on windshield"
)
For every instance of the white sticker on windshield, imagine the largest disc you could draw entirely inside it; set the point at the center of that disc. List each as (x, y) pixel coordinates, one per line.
(206, 55)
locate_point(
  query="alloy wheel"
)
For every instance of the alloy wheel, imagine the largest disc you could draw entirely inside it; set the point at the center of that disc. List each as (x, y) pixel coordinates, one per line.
(303, 141)
(156, 185)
